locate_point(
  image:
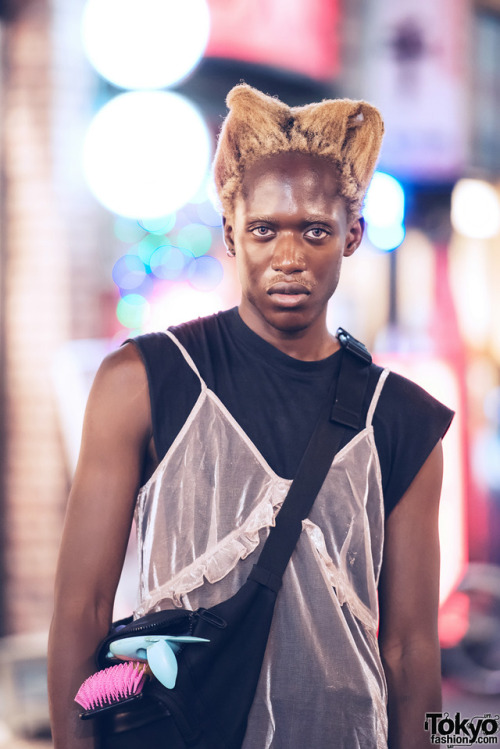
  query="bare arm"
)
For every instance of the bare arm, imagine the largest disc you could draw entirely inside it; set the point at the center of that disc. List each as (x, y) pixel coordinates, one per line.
(116, 434)
(408, 594)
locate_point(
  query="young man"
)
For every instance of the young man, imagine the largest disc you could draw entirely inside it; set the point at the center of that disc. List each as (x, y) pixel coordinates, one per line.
(211, 419)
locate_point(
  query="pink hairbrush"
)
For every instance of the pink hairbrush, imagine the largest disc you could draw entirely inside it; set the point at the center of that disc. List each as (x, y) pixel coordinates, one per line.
(114, 685)
(151, 655)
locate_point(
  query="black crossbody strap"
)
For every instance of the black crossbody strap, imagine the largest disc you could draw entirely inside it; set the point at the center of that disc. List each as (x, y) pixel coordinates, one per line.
(333, 425)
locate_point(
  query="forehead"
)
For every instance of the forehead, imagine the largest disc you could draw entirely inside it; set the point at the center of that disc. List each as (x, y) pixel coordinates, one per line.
(293, 178)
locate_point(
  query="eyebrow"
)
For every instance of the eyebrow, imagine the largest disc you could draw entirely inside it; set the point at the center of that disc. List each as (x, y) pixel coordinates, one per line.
(261, 217)
(320, 218)
(308, 219)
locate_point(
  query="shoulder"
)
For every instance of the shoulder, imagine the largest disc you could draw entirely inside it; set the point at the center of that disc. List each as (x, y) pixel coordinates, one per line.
(123, 368)
(401, 387)
(117, 416)
(120, 389)
(208, 341)
(204, 330)
(402, 398)
(163, 354)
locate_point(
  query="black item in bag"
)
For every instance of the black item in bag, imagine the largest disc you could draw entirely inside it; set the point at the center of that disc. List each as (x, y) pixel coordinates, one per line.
(208, 707)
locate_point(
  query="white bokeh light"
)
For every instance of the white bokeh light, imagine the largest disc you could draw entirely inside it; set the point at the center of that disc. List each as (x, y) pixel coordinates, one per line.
(385, 201)
(180, 303)
(145, 44)
(475, 209)
(146, 153)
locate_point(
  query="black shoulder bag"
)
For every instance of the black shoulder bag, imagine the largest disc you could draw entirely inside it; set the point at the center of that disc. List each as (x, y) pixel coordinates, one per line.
(208, 707)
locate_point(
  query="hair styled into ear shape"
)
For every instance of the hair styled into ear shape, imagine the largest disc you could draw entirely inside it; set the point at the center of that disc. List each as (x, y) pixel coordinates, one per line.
(347, 132)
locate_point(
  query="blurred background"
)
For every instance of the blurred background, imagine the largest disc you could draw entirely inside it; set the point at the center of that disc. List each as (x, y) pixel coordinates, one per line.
(109, 228)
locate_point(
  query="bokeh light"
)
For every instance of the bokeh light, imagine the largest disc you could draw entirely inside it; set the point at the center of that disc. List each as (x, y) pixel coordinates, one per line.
(205, 273)
(178, 303)
(132, 311)
(195, 238)
(475, 209)
(385, 201)
(208, 215)
(476, 310)
(385, 238)
(145, 44)
(384, 212)
(492, 407)
(128, 230)
(145, 288)
(146, 153)
(129, 272)
(160, 225)
(168, 262)
(147, 247)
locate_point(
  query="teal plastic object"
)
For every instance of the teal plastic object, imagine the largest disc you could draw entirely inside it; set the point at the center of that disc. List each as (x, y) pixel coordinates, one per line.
(163, 663)
(158, 650)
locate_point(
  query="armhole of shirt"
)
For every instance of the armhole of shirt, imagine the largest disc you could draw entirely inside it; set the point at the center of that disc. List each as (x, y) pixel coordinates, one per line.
(408, 423)
(173, 387)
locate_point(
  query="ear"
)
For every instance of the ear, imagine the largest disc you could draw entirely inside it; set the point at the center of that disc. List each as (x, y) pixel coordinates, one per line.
(354, 236)
(228, 234)
(255, 120)
(347, 130)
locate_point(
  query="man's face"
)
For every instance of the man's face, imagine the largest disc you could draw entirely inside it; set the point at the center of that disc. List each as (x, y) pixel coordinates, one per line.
(290, 232)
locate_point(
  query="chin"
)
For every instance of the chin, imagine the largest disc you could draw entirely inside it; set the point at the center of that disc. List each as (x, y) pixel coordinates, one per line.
(289, 321)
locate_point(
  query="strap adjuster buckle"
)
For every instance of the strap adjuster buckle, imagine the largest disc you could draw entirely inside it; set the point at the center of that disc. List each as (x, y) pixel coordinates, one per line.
(352, 344)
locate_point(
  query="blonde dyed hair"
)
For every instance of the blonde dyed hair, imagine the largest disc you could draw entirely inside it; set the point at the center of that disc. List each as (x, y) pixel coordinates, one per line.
(346, 132)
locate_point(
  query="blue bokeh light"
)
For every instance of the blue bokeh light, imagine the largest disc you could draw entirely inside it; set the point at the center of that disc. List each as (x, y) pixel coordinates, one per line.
(384, 212)
(205, 273)
(385, 201)
(386, 238)
(129, 272)
(168, 263)
(208, 215)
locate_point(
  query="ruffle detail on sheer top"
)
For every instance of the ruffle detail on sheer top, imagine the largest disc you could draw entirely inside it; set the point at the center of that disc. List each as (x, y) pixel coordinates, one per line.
(337, 577)
(219, 561)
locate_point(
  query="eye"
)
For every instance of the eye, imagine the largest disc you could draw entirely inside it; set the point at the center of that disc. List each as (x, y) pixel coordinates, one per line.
(317, 232)
(262, 231)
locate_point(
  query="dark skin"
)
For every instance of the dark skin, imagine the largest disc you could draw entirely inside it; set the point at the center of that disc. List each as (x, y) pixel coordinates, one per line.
(289, 226)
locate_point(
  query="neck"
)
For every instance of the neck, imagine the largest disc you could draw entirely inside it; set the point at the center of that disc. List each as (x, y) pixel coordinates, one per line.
(312, 343)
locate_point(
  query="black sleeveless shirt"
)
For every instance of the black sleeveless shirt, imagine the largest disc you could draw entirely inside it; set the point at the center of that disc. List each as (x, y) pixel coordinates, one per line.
(276, 399)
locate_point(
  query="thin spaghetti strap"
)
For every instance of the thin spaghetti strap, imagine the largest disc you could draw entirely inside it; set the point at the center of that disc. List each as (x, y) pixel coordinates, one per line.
(376, 396)
(187, 357)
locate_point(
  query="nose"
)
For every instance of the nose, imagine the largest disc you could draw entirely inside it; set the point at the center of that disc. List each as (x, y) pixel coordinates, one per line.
(288, 256)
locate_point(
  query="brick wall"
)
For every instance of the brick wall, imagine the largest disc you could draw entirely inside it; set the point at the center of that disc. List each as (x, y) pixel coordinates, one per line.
(36, 321)
(50, 249)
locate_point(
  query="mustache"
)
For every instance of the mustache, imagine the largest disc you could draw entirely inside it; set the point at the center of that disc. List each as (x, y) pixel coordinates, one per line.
(308, 286)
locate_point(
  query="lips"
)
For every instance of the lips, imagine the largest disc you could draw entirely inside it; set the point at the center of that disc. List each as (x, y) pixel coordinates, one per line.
(288, 295)
(288, 288)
